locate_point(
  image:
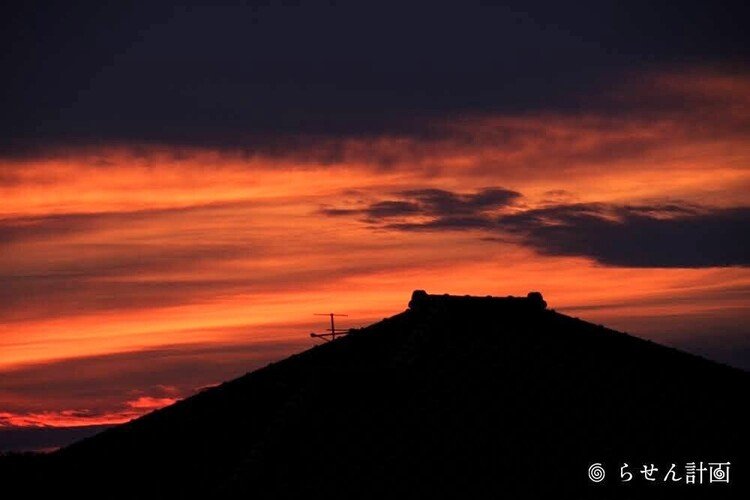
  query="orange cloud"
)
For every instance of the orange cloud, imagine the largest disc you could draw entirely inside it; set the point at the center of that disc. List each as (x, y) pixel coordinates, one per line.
(122, 249)
(84, 417)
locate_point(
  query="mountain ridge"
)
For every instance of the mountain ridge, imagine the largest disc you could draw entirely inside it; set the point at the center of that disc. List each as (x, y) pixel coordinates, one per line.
(457, 395)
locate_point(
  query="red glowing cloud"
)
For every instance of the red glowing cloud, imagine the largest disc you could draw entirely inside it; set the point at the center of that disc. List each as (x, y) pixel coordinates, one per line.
(119, 249)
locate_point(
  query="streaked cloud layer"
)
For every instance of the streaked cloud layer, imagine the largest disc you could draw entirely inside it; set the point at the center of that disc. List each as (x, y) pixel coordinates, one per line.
(166, 241)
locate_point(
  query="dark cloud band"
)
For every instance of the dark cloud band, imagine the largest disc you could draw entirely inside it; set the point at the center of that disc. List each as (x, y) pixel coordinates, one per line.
(104, 73)
(660, 235)
(634, 237)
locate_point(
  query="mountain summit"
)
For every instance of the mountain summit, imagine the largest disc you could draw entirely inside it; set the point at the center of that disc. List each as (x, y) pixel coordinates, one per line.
(456, 397)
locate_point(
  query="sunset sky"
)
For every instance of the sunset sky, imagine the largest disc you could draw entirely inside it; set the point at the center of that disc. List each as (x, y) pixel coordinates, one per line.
(182, 188)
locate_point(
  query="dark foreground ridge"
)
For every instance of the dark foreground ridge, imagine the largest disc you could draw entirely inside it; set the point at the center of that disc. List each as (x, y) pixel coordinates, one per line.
(456, 397)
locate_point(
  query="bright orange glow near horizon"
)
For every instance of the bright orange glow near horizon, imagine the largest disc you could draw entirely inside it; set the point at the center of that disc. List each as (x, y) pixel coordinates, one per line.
(112, 251)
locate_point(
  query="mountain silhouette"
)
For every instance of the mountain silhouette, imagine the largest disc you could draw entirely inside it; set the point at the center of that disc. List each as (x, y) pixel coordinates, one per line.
(456, 397)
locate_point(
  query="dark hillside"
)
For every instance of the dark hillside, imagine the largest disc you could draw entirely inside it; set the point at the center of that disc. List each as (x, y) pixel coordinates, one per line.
(457, 397)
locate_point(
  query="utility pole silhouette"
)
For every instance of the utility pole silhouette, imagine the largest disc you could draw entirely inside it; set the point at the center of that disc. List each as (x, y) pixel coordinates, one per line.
(331, 332)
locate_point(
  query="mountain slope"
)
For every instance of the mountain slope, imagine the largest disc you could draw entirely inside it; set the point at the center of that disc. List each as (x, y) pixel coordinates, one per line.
(455, 397)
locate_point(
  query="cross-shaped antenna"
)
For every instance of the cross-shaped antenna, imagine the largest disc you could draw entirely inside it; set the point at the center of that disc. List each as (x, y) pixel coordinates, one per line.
(331, 332)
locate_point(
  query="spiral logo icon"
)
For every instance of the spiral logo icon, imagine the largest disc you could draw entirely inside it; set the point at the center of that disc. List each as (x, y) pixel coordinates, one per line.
(718, 474)
(596, 473)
